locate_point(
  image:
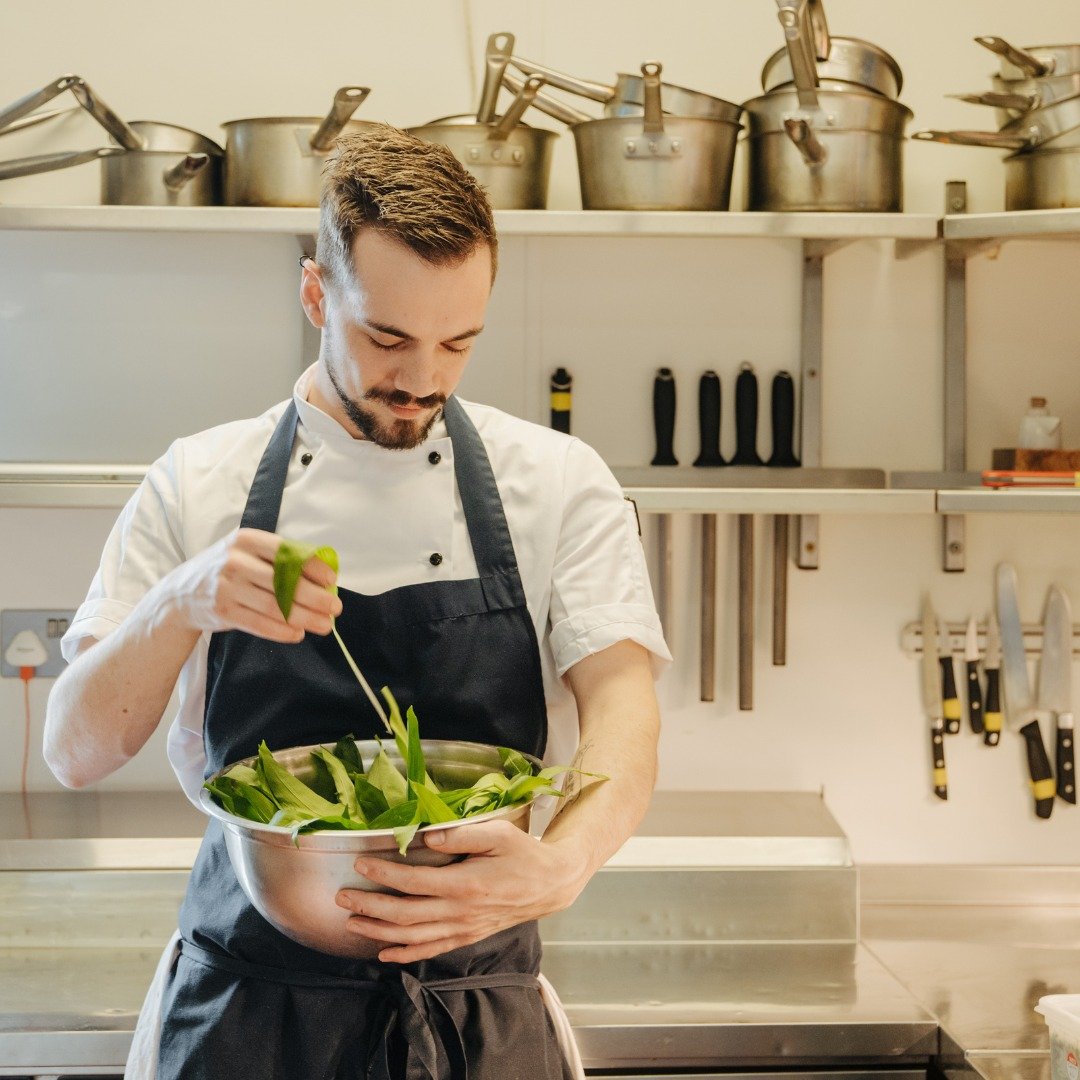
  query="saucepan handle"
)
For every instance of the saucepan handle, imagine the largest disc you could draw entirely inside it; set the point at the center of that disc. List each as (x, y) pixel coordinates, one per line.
(1021, 58)
(993, 139)
(35, 99)
(43, 163)
(801, 132)
(509, 119)
(557, 110)
(346, 101)
(183, 172)
(582, 87)
(794, 18)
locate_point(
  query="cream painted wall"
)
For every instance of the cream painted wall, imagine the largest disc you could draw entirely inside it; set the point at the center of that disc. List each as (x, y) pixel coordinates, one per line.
(111, 345)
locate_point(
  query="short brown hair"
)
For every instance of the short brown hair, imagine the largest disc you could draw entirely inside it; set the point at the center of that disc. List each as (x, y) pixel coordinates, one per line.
(415, 191)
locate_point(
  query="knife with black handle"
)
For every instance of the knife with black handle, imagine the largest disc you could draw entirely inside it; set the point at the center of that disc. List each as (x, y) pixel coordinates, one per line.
(992, 665)
(746, 418)
(664, 428)
(1055, 687)
(931, 694)
(974, 687)
(950, 699)
(708, 457)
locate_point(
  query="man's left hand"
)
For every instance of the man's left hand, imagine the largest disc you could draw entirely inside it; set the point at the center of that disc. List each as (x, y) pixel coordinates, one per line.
(508, 877)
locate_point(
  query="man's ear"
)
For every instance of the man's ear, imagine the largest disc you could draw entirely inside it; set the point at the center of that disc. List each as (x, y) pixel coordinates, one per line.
(313, 293)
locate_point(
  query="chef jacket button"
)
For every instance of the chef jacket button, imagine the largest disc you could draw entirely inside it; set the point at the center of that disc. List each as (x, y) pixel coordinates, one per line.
(305, 458)
(434, 457)
(435, 558)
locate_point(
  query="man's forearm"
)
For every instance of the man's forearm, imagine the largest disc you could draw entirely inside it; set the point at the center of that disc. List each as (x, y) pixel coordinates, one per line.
(620, 725)
(110, 699)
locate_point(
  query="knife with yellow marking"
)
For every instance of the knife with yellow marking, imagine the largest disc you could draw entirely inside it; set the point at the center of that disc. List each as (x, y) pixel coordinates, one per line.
(932, 703)
(992, 666)
(950, 699)
(974, 687)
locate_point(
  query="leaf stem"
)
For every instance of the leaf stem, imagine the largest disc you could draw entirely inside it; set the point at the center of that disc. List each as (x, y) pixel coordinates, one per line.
(375, 703)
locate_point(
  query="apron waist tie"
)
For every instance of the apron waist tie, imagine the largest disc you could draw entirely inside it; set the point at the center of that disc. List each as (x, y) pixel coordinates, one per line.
(435, 1047)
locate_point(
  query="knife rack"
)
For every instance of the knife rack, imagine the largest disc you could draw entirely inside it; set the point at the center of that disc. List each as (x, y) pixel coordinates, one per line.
(911, 638)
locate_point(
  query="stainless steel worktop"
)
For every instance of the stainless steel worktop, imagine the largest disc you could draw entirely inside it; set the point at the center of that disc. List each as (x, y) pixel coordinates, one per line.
(649, 978)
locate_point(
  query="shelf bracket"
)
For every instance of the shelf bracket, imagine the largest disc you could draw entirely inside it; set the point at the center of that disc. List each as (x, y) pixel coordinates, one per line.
(955, 389)
(810, 357)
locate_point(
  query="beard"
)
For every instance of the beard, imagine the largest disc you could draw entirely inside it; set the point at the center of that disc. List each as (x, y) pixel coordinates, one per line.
(395, 434)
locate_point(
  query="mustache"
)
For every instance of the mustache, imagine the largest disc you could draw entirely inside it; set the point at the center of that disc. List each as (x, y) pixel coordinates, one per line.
(402, 399)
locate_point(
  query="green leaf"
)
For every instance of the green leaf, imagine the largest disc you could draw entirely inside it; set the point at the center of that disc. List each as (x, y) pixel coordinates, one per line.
(396, 816)
(513, 762)
(430, 808)
(372, 801)
(244, 773)
(348, 753)
(243, 800)
(388, 780)
(416, 768)
(343, 784)
(289, 562)
(404, 834)
(397, 727)
(290, 793)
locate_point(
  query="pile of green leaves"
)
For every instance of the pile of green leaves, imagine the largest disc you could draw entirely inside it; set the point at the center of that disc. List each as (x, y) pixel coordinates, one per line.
(343, 793)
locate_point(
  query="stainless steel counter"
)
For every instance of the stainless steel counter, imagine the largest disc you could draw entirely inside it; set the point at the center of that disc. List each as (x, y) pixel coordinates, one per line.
(647, 984)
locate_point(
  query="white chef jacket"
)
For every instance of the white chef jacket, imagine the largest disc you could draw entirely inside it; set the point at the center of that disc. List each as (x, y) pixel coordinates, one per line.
(386, 512)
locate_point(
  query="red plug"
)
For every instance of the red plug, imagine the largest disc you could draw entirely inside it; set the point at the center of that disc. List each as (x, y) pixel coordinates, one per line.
(26, 673)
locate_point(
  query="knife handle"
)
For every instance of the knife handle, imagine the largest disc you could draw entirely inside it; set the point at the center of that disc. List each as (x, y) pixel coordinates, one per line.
(746, 415)
(663, 402)
(709, 421)
(1066, 766)
(561, 388)
(950, 702)
(992, 712)
(783, 422)
(1042, 779)
(937, 749)
(974, 697)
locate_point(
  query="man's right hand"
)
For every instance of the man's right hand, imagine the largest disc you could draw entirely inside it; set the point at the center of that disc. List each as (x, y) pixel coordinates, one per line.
(230, 586)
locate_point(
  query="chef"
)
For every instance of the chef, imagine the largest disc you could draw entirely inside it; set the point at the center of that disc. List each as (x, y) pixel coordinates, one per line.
(491, 575)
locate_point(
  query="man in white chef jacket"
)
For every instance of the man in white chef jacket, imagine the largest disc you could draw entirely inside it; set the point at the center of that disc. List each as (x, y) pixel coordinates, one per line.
(490, 573)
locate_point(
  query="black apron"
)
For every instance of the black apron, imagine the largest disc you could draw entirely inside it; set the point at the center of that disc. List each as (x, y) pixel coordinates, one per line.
(246, 1001)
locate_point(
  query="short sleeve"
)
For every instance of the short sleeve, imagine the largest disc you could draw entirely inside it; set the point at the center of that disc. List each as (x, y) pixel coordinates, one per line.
(600, 591)
(143, 546)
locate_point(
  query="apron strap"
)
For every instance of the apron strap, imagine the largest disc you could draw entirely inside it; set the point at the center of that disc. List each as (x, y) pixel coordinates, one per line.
(264, 499)
(415, 1008)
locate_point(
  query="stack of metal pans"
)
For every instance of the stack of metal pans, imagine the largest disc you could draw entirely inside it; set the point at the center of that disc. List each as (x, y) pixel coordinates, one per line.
(1036, 98)
(828, 133)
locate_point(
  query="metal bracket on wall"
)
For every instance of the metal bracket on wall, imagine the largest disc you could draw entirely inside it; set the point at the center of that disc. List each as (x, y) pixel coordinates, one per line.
(911, 638)
(955, 366)
(810, 355)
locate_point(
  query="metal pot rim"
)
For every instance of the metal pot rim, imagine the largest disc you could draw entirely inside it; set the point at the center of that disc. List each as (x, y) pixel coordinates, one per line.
(313, 121)
(637, 122)
(481, 130)
(1038, 152)
(830, 95)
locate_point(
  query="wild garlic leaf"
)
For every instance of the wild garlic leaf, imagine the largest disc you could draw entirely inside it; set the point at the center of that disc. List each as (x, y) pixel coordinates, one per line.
(289, 567)
(291, 793)
(343, 784)
(431, 809)
(513, 762)
(371, 800)
(347, 752)
(404, 834)
(388, 780)
(396, 816)
(397, 726)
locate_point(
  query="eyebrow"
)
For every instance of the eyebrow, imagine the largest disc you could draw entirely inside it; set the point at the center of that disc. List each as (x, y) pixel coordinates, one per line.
(393, 331)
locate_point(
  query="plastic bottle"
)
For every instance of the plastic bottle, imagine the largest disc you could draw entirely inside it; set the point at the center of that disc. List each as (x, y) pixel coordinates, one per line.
(1038, 429)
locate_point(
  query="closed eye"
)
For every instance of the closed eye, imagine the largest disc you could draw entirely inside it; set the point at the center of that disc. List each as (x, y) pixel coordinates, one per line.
(385, 348)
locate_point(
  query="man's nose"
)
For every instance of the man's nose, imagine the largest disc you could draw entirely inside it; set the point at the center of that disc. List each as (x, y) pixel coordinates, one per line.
(417, 375)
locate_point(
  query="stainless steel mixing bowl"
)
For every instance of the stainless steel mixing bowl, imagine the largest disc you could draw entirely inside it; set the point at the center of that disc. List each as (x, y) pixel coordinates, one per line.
(293, 884)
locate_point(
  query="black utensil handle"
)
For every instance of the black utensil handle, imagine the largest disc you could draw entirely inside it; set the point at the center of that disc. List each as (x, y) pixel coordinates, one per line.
(992, 710)
(949, 700)
(1042, 779)
(709, 421)
(974, 697)
(663, 402)
(561, 387)
(746, 417)
(783, 422)
(937, 751)
(1065, 763)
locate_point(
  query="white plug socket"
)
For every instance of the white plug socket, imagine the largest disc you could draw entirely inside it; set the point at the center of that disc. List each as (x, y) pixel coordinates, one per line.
(26, 650)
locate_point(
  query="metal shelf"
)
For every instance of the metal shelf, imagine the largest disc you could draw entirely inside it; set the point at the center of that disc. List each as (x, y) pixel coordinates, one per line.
(1001, 500)
(305, 221)
(675, 500)
(1013, 225)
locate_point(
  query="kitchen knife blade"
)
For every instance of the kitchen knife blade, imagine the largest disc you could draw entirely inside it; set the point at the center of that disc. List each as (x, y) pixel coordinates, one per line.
(992, 667)
(974, 687)
(1021, 714)
(708, 457)
(1055, 686)
(932, 704)
(950, 699)
(664, 427)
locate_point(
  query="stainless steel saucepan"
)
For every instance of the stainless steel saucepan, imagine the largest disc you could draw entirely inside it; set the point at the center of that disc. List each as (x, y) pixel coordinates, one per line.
(278, 160)
(1035, 61)
(153, 164)
(627, 96)
(511, 159)
(1043, 179)
(1053, 127)
(848, 62)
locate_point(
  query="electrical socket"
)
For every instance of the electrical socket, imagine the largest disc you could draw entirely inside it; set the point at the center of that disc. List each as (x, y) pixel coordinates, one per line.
(49, 625)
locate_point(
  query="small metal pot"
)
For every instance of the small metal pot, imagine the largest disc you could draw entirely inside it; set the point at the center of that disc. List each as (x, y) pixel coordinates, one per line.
(1033, 61)
(655, 162)
(510, 159)
(278, 160)
(627, 96)
(846, 156)
(853, 63)
(1043, 179)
